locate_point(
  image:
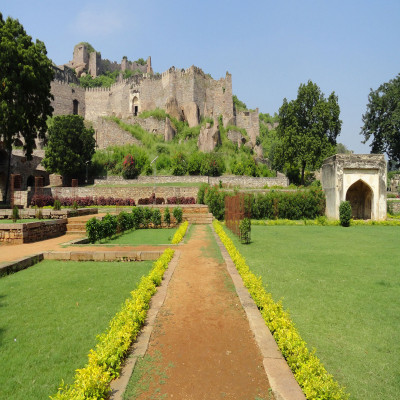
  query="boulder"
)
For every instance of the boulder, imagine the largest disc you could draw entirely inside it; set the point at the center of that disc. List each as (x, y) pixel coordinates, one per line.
(170, 131)
(209, 137)
(171, 108)
(191, 113)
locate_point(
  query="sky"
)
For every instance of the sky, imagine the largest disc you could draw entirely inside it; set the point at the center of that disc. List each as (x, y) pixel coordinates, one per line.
(269, 47)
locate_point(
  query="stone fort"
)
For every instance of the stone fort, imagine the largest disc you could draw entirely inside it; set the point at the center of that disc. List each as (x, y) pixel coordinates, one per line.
(186, 94)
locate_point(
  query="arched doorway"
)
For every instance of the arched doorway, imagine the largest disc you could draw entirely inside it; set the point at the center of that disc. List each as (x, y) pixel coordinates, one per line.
(359, 195)
(135, 106)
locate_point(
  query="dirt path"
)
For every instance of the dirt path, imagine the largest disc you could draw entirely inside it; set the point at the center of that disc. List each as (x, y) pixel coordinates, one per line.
(202, 346)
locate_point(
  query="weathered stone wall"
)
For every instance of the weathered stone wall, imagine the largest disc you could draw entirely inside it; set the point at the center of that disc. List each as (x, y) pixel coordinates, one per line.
(151, 124)
(394, 206)
(64, 95)
(109, 133)
(249, 120)
(128, 192)
(231, 180)
(32, 232)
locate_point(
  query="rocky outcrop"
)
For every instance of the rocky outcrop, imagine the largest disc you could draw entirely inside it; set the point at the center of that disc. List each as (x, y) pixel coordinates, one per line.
(191, 113)
(171, 108)
(170, 130)
(209, 137)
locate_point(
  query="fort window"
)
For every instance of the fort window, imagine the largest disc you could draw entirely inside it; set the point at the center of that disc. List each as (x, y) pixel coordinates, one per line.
(359, 195)
(30, 181)
(135, 106)
(75, 107)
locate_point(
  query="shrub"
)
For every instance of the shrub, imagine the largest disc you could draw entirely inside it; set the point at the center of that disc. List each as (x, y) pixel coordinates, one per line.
(212, 165)
(215, 199)
(123, 223)
(93, 230)
(137, 216)
(75, 205)
(178, 164)
(181, 200)
(345, 213)
(201, 193)
(15, 213)
(147, 213)
(129, 167)
(156, 217)
(109, 226)
(245, 231)
(57, 205)
(167, 216)
(42, 200)
(177, 213)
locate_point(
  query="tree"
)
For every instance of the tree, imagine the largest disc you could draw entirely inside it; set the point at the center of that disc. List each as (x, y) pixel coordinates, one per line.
(307, 130)
(25, 77)
(382, 119)
(342, 149)
(70, 146)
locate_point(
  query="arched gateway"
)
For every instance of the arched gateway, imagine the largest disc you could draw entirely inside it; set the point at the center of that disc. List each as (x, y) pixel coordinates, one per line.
(360, 195)
(358, 178)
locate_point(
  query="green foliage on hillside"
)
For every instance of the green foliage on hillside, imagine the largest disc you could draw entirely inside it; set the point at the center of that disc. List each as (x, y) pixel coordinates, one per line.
(239, 105)
(179, 156)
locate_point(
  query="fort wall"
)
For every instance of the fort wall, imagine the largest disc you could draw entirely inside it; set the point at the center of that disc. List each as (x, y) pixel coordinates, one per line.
(64, 97)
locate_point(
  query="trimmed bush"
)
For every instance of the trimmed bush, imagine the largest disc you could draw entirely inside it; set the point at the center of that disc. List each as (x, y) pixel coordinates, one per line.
(345, 213)
(215, 199)
(167, 216)
(201, 193)
(177, 213)
(180, 233)
(156, 218)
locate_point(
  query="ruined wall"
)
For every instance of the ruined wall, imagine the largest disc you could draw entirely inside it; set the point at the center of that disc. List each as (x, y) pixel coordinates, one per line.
(249, 120)
(64, 96)
(108, 133)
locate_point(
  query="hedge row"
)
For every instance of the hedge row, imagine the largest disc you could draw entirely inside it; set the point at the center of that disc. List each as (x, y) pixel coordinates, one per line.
(140, 217)
(45, 200)
(93, 381)
(180, 233)
(272, 205)
(315, 381)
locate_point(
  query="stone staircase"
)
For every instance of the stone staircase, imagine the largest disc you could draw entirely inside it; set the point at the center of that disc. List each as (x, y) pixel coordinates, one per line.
(197, 214)
(78, 224)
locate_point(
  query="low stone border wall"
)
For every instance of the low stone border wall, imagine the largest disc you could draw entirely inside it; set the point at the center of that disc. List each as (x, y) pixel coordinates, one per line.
(32, 231)
(88, 255)
(394, 206)
(49, 213)
(26, 262)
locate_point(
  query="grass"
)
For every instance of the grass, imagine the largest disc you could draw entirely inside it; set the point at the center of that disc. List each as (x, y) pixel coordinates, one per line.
(341, 286)
(143, 236)
(50, 315)
(212, 250)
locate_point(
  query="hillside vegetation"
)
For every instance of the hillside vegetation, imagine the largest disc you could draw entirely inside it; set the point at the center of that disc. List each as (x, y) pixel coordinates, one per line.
(179, 156)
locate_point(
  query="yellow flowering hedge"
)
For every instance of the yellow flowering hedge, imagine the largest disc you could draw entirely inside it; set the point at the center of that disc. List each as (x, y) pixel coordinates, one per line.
(180, 233)
(92, 381)
(315, 381)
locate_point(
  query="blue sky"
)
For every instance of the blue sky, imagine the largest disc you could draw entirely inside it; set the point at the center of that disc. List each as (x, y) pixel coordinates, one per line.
(269, 47)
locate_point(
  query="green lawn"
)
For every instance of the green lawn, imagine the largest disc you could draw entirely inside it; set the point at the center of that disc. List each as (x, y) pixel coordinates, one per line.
(342, 288)
(143, 236)
(50, 315)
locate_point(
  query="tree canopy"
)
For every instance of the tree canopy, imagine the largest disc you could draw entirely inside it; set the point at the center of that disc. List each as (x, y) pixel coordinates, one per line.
(307, 130)
(382, 119)
(70, 146)
(25, 77)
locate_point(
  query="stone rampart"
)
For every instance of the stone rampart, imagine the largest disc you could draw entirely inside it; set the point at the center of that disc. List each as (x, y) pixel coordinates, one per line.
(394, 206)
(229, 180)
(151, 124)
(249, 120)
(64, 97)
